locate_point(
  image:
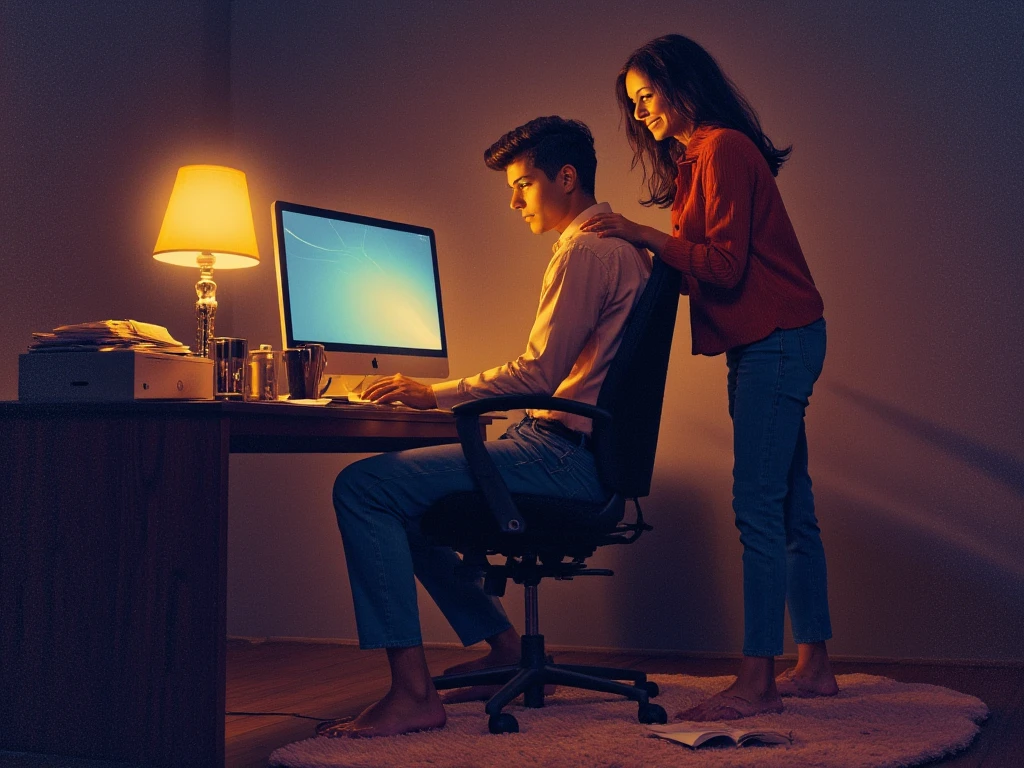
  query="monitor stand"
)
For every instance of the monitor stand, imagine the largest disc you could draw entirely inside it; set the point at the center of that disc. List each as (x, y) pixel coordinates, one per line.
(340, 385)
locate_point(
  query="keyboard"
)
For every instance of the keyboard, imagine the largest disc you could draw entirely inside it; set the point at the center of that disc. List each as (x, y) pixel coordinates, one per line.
(354, 401)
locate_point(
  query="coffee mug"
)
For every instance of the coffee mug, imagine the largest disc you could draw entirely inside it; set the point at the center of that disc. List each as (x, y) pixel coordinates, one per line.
(304, 367)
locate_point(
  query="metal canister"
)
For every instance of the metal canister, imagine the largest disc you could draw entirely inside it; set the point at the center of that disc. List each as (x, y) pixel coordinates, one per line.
(262, 368)
(229, 361)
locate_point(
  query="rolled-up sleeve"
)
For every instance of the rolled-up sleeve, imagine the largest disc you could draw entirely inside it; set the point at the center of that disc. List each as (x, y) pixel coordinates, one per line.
(572, 297)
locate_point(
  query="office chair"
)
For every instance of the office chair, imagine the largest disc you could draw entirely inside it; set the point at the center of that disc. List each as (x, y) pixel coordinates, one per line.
(543, 537)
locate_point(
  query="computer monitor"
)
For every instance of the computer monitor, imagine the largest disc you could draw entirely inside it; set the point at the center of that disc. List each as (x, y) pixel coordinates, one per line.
(365, 288)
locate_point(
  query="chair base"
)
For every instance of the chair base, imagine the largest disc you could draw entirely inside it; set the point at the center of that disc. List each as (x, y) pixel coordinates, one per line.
(535, 670)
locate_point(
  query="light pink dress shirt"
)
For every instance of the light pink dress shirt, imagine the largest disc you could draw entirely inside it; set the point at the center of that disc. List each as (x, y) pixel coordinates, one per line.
(589, 289)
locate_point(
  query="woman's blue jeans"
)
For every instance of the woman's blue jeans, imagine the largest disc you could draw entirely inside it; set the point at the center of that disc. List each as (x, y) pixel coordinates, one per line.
(380, 501)
(770, 383)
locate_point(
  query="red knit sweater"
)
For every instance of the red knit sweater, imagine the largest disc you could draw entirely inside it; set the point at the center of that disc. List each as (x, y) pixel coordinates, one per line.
(734, 242)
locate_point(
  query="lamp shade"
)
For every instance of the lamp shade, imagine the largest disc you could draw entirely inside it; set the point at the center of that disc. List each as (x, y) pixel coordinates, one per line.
(208, 212)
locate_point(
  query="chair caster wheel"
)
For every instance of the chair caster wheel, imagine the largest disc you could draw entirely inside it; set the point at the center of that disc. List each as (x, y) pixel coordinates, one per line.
(505, 723)
(652, 713)
(652, 689)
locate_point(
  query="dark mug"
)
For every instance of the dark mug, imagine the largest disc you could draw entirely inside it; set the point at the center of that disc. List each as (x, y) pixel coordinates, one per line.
(304, 367)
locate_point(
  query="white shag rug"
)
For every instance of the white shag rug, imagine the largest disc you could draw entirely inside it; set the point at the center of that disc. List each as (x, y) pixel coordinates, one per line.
(874, 722)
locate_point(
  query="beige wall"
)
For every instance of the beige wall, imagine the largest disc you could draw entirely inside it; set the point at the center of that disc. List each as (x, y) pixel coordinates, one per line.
(905, 187)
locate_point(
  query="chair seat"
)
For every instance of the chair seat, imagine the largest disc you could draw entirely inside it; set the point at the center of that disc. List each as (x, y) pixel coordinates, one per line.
(563, 527)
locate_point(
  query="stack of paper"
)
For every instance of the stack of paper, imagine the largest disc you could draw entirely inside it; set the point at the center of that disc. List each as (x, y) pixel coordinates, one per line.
(105, 335)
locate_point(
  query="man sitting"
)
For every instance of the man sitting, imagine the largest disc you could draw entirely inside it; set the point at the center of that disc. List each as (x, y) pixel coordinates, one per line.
(589, 288)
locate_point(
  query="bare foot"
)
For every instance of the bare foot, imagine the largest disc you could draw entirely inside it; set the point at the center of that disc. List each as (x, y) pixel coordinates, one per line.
(752, 693)
(496, 658)
(730, 706)
(394, 714)
(805, 684)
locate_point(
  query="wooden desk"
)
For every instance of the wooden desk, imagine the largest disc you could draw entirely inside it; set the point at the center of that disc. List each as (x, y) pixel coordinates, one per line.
(113, 551)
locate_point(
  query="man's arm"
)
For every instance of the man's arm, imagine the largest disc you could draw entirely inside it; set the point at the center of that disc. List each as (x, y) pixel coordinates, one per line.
(573, 295)
(572, 298)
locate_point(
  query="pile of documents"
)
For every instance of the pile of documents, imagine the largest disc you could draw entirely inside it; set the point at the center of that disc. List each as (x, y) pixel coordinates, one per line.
(104, 335)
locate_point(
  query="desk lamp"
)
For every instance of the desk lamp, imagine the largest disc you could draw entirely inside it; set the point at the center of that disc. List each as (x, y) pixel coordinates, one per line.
(208, 220)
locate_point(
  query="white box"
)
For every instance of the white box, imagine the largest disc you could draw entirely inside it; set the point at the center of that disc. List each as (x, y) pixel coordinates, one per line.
(88, 376)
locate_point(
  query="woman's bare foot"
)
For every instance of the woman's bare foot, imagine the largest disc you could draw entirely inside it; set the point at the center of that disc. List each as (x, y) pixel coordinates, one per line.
(805, 685)
(752, 693)
(726, 706)
(811, 677)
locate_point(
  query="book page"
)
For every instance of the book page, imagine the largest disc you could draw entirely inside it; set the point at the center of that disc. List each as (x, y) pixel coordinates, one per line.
(767, 737)
(695, 738)
(733, 737)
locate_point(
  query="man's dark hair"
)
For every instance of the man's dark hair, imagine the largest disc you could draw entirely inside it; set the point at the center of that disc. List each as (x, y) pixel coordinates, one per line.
(550, 143)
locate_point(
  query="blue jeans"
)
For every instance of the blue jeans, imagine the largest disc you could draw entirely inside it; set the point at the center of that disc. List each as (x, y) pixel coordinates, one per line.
(770, 383)
(379, 502)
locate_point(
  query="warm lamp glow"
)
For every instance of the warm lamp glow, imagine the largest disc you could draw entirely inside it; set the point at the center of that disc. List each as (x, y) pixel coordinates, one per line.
(208, 213)
(208, 222)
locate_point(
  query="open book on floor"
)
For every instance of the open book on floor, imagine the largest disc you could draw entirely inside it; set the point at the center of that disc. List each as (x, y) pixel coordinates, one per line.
(717, 737)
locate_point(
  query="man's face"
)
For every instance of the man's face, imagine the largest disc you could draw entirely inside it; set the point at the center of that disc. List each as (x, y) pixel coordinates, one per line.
(543, 204)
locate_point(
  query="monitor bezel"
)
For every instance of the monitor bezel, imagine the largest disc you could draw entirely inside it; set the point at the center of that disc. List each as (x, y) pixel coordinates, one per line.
(345, 358)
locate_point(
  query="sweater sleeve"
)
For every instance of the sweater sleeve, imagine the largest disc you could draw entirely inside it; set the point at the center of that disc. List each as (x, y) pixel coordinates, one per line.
(727, 180)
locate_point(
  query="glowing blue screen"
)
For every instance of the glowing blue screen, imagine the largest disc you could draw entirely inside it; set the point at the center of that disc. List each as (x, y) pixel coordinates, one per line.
(351, 283)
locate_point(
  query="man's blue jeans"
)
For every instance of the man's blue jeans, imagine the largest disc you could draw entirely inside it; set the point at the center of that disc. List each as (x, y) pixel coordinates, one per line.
(770, 383)
(380, 501)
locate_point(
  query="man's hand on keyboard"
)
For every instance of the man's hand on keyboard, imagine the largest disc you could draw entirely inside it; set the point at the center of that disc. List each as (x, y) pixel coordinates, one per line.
(391, 389)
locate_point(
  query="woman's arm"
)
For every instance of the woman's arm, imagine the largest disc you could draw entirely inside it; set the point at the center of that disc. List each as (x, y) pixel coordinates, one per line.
(727, 179)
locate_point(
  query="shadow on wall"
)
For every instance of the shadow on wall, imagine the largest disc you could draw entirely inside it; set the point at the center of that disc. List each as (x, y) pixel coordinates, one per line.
(921, 524)
(675, 585)
(998, 465)
(897, 592)
(931, 478)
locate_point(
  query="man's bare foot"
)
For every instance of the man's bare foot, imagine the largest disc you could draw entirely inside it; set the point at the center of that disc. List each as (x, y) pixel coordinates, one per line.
(806, 684)
(499, 656)
(394, 714)
(506, 650)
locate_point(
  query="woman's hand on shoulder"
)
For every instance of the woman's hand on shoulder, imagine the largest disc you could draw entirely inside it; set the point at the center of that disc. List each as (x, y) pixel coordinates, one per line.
(615, 225)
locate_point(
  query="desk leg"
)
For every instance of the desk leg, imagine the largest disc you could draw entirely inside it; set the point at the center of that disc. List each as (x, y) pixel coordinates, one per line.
(112, 587)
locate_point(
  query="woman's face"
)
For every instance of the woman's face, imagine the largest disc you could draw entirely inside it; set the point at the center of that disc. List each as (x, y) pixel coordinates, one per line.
(654, 111)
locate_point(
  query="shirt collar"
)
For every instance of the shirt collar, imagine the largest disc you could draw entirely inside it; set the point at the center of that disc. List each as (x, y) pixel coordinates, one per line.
(573, 229)
(698, 137)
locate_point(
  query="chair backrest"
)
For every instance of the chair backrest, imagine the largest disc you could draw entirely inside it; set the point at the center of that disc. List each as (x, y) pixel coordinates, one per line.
(634, 388)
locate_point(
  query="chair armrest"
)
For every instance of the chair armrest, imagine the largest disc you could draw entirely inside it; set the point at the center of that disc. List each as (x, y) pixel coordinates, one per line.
(482, 467)
(545, 402)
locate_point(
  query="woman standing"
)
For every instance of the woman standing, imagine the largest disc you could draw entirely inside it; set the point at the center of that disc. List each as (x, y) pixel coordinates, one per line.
(703, 153)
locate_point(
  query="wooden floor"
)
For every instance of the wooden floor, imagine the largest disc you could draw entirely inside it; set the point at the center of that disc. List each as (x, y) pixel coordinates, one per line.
(335, 681)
